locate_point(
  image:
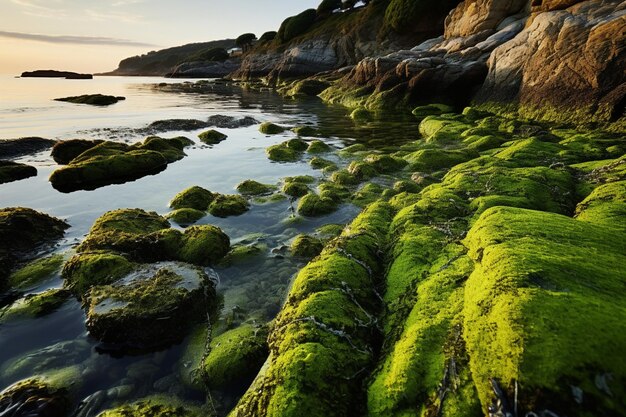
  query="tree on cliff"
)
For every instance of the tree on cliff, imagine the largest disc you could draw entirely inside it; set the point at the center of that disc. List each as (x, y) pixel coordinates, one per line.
(245, 41)
(327, 7)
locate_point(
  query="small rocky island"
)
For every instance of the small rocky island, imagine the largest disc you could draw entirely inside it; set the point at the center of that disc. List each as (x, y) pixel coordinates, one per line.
(92, 99)
(68, 75)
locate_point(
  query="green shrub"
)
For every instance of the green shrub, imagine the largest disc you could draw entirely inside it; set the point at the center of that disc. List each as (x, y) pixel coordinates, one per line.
(296, 25)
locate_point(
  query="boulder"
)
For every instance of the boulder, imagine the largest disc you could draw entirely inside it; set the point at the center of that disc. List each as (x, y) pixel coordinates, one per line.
(13, 171)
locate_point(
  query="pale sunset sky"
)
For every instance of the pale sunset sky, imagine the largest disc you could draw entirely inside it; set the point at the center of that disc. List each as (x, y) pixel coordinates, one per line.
(94, 35)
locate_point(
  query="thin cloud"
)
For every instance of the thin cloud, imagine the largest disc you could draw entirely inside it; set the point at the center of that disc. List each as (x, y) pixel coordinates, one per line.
(34, 8)
(81, 40)
(126, 2)
(108, 16)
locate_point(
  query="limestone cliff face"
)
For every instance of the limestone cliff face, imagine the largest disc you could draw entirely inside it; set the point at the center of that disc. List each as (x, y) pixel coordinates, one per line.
(533, 55)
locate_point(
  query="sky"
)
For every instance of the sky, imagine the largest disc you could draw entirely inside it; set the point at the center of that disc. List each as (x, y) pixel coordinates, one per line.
(94, 35)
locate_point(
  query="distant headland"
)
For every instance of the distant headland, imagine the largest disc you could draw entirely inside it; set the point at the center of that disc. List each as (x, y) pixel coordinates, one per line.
(56, 74)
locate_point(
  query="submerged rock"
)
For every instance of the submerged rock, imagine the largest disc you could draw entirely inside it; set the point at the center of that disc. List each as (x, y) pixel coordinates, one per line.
(174, 295)
(12, 148)
(167, 125)
(22, 231)
(35, 396)
(92, 99)
(35, 305)
(230, 122)
(13, 171)
(35, 272)
(155, 406)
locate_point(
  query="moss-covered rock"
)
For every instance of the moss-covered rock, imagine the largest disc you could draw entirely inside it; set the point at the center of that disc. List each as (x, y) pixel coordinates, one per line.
(430, 160)
(63, 152)
(295, 189)
(14, 171)
(235, 356)
(22, 231)
(86, 270)
(194, 197)
(321, 163)
(530, 286)
(305, 246)
(309, 87)
(35, 305)
(422, 112)
(173, 295)
(442, 129)
(305, 131)
(269, 128)
(367, 194)
(606, 205)
(108, 163)
(185, 216)
(36, 396)
(203, 245)
(155, 406)
(317, 146)
(285, 153)
(384, 164)
(314, 205)
(212, 137)
(35, 272)
(362, 170)
(255, 188)
(360, 114)
(321, 340)
(228, 205)
(344, 177)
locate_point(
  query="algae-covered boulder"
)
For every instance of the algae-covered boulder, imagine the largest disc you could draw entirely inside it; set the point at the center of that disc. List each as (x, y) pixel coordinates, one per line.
(531, 286)
(269, 128)
(203, 245)
(14, 171)
(185, 216)
(314, 205)
(22, 231)
(305, 131)
(35, 305)
(35, 397)
(295, 189)
(317, 146)
(422, 112)
(305, 246)
(174, 295)
(212, 137)
(255, 188)
(155, 406)
(86, 270)
(322, 338)
(308, 87)
(321, 163)
(228, 205)
(288, 151)
(442, 129)
(92, 99)
(114, 163)
(360, 114)
(194, 197)
(605, 205)
(235, 356)
(64, 151)
(434, 159)
(35, 272)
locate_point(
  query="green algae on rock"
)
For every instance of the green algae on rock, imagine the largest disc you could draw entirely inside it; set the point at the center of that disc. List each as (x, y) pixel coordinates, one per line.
(288, 151)
(35, 272)
(295, 189)
(305, 246)
(35, 305)
(313, 205)
(22, 231)
(525, 282)
(322, 339)
(173, 294)
(155, 406)
(255, 188)
(111, 163)
(212, 137)
(185, 216)
(228, 205)
(269, 128)
(305, 131)
(63, 152)
(235, 356)
(36, 396)
(194, 197)
(14, 171)
(317, 146)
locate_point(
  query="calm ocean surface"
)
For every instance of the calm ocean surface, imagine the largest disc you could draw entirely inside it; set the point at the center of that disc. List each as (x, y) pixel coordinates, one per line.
(29, 347)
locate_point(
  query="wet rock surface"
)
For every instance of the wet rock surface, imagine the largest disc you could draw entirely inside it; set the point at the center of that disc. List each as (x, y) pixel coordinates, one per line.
(12, 148)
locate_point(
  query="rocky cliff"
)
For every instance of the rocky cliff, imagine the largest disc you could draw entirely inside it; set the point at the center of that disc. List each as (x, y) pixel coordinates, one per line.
(555, 60)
